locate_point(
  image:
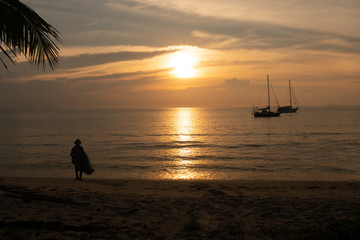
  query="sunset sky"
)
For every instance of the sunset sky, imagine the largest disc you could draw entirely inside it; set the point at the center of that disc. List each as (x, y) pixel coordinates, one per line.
(186, 53)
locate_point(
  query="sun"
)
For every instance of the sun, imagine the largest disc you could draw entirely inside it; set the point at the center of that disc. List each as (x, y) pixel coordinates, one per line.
(183, 64)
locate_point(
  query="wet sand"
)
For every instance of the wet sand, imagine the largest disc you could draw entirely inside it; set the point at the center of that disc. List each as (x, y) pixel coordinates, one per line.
(36, 208)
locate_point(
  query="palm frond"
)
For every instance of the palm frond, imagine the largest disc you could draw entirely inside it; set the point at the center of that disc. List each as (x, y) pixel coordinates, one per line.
(23, 31)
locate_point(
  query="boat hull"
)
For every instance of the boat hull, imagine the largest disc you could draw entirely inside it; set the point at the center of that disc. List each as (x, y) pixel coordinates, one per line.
(287, 109)
(267, 114)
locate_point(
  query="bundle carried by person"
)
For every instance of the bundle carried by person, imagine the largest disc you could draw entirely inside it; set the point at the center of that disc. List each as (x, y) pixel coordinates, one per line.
(86, 165)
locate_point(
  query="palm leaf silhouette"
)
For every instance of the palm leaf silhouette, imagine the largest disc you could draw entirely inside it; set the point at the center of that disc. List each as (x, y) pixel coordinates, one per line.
(23, 31)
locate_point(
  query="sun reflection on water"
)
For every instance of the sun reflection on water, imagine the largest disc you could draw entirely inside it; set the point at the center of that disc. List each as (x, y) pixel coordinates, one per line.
(186, 151)
(184, 124)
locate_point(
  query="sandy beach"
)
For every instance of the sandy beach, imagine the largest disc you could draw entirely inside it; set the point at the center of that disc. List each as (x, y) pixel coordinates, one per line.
(37, 208)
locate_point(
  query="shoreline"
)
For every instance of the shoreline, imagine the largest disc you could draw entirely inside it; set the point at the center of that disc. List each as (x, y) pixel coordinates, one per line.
(94, 179)
(43, 208)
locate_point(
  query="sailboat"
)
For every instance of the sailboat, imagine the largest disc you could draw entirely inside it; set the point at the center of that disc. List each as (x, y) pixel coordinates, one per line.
(266, 111)
(293, 107)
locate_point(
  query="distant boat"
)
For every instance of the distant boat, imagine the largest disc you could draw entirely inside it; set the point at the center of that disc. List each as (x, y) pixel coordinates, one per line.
(293, 107)
(266, 111)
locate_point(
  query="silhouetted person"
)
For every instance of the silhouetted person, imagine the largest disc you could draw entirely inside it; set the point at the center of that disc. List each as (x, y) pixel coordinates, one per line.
(77, 158)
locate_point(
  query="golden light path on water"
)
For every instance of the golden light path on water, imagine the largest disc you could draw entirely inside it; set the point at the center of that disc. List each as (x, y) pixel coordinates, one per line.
(185, 153)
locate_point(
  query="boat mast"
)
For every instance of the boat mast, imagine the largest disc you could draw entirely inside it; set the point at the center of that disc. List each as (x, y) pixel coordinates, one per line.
(290, 93)
(268, 91)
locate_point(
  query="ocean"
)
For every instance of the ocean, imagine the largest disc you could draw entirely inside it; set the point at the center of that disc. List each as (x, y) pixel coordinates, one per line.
(317, 143)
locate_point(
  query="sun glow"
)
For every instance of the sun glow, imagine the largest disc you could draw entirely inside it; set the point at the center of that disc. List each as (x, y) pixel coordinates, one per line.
(183, 64)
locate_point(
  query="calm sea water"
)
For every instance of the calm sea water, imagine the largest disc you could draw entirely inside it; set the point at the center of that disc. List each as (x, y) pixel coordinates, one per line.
(185, 143)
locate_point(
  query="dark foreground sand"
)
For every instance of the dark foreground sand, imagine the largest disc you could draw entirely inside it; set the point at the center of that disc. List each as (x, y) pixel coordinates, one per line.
(120, 209)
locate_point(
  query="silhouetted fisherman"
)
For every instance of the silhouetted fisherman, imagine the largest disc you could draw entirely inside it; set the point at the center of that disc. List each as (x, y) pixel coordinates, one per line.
(77, 158)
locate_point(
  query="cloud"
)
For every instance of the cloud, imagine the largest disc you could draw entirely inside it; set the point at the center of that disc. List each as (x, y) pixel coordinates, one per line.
(236, 83)
(85, 60)
(304, 14)
(162, 24)
(264, 36)
(77, 93)
(24, 69)
(117, 92)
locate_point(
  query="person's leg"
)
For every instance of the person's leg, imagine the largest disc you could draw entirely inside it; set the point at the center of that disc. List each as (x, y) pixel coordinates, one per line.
(81, 170)
(76, 171)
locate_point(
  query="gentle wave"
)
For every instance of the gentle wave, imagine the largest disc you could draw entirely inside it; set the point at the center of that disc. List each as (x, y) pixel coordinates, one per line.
(185, 143)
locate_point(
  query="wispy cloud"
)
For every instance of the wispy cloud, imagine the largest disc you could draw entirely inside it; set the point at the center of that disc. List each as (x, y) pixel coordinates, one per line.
(84, 60)
(102, 58)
